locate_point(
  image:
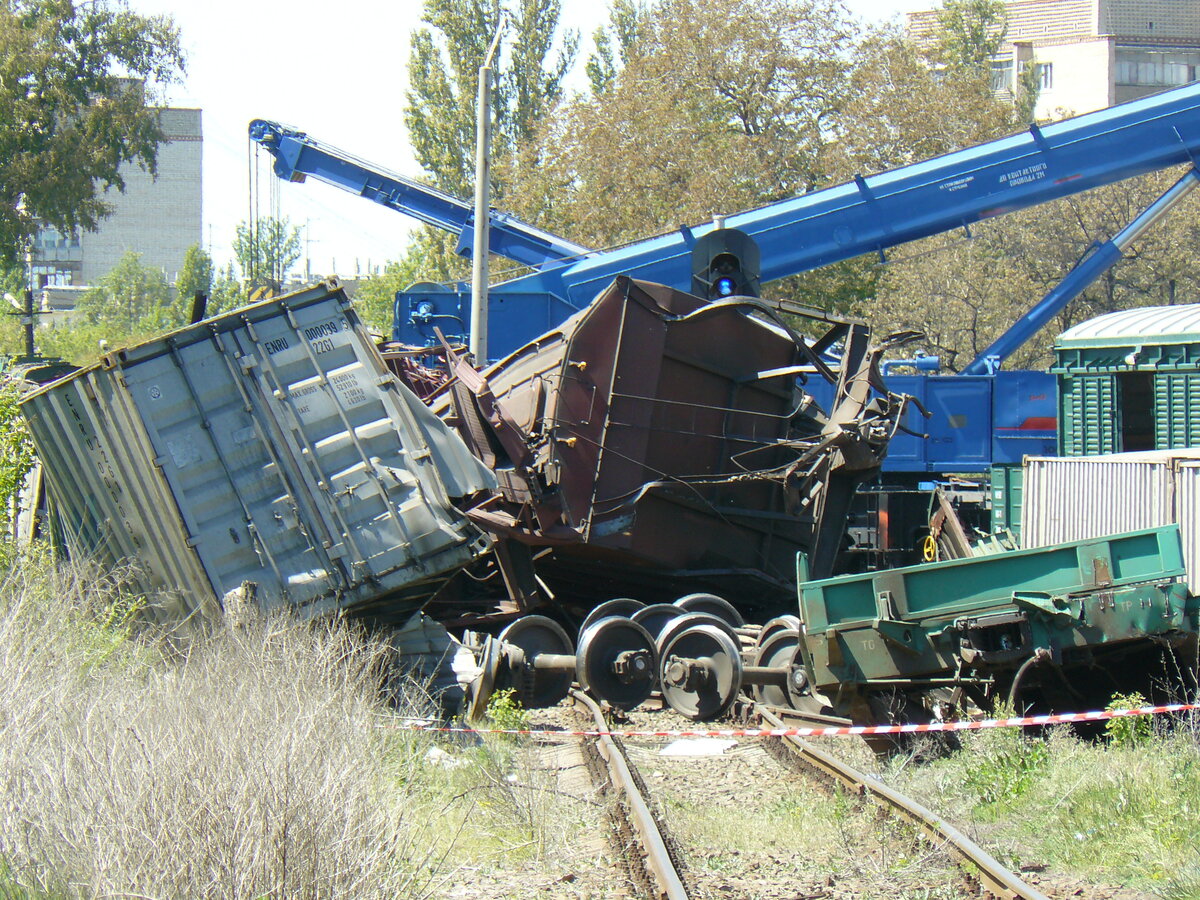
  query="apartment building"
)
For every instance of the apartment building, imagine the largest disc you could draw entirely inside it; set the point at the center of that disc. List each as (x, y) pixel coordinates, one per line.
(1091, 54)
(156, 217)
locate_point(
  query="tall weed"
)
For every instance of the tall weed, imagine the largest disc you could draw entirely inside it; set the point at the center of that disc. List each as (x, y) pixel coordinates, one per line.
(239, 763)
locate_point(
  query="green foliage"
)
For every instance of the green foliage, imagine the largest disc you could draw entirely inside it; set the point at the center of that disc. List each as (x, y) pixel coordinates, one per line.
(443, 73)
(195, 274)
(1005, 762)
(614, 42)
(505, 711)
(16, 447)
(266, 248)
(78, 84)
(971, 32)
(227, 292)
(1130, 732)
(1029, 88)
(130, 300)
(375, 297)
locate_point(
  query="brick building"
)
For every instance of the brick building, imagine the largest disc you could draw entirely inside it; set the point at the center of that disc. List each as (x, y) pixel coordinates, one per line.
(1093, 53)
(156, 217)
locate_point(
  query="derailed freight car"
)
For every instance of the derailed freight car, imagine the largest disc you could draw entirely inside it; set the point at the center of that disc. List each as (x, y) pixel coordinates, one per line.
(1060, 627)
(268, 445)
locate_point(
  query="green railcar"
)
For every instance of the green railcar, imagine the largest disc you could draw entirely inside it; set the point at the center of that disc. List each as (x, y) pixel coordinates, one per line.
(1130, 381)
(1052, 627)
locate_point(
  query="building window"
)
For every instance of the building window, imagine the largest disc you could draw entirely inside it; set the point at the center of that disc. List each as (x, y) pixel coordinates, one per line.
(1046, 75)
(1157, 68)
(1002, 71)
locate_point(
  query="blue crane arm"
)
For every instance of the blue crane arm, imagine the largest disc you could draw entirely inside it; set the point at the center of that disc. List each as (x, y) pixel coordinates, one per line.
(1096, 263)
(881, 211)
(298, 156)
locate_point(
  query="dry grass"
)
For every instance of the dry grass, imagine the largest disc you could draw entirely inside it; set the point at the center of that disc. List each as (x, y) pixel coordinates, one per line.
(232, 764)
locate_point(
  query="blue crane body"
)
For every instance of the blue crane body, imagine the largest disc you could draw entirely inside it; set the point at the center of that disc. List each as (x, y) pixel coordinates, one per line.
(979, 418)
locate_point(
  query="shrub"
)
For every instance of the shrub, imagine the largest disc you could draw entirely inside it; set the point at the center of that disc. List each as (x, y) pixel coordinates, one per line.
(1130, 731)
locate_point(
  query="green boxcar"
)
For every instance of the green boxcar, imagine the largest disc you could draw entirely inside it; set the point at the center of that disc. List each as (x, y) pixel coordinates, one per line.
(1130, 381)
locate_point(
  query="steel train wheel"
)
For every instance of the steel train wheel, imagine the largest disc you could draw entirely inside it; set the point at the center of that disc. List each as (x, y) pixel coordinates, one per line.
(657, 616)
(617, 662)
(686, 621)
(779, 623)
(713, 605)
(622, 606)
(535, 635)
(778, 652)
(700, 672)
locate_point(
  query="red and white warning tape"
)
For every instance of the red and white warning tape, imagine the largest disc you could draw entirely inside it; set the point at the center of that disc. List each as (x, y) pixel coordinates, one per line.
(849, 730)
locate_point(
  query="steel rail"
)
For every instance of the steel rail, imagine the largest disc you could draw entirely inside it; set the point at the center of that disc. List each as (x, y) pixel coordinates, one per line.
(993, 878)
(658, 858)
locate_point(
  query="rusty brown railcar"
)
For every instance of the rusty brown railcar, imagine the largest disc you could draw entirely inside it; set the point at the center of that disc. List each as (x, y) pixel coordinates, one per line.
(658, 444)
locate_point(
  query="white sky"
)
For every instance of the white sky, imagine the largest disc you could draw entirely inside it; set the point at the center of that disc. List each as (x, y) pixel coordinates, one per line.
(338, 72)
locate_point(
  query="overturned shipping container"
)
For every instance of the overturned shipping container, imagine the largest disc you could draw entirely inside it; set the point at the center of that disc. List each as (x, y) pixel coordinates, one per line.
(270, 444)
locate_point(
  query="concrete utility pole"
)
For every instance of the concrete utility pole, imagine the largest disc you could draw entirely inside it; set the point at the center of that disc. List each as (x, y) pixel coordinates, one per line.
(479, 261)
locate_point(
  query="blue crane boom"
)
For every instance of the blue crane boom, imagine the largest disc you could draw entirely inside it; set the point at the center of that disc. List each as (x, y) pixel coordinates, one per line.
(298, 156)
(868, 214)
(875, 213)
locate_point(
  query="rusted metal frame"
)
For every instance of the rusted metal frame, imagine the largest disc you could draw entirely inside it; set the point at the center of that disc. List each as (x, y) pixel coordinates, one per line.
(711, 370)
(658, 857)
(504, 427)
(994, 877)
(793, 308)
(320, 543)
(602, 446)
(769, 312)
(261, 550)
(480, 409)
(323, 483)
(831, 337)
(947, 529)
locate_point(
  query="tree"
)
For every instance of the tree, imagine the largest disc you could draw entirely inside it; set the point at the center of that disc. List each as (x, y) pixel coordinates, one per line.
(971, 33)
(443, 71)
(227, 292)
(721, 105)
(78, 84)
(195, 274)
(440, 105)
(900, 109)
(614, 42)
(131, 300)
(267, 248)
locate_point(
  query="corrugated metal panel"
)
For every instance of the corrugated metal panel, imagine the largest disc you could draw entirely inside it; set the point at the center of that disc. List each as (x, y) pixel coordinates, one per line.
(1069, 499)
(1187, 513)
(1007, 488)
(1089, 421)
(1176, 409)
(269, 445)
(1144, 325)
(1072, 499)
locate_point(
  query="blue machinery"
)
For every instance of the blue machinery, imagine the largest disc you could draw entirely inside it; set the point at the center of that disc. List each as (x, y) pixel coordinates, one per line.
(867, 215)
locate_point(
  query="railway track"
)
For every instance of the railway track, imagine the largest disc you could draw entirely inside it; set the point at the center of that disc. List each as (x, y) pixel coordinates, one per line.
(993, 879)
(654, 863)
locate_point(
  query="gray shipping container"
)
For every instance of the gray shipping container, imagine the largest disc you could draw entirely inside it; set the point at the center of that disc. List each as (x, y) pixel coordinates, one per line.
(1080, 497)
(270, 444)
